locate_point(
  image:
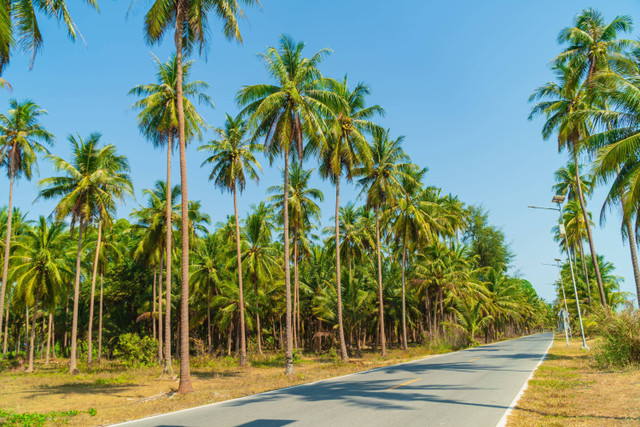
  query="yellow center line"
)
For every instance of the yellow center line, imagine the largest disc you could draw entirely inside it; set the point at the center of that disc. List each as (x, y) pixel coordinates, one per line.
(474, 359)
(405, 383)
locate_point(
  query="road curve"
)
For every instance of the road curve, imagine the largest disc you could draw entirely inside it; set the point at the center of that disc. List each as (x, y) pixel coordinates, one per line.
(472, 387)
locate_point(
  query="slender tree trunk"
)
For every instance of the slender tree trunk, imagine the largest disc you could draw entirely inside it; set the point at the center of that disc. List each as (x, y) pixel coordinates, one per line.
(48, 354)
(296, 289)
(76, 301)
(404, 308)
(185, 385)
(634, 256)
(208, 323)
(343, 348)
(93, 291)
(7, 247)
(243, 343)
(100, 317)
(594, 255)
(160, 318)
(168, 368)
(153, 310)
(32, 339)
(585, 272)
(288, 370)
(6, 329)
(258, 327)
(383, 342)
(65, 342)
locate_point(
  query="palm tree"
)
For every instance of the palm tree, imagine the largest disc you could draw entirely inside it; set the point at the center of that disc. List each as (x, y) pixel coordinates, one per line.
(20, 27)
(259, 256)
(21, 135)
(344, 150)
(159, 124)
(189, 21)
(381, 184)
(560, 101)
(232, 157)
(88, 189)
(302, 209)
(39, 269)
(284, 113)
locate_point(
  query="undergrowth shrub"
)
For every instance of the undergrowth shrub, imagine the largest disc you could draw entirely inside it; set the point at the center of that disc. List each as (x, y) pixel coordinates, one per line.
(134, 351)
(620, 332)
(36, 419)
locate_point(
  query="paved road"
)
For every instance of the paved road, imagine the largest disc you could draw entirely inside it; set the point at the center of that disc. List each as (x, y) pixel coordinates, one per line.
(469, 388)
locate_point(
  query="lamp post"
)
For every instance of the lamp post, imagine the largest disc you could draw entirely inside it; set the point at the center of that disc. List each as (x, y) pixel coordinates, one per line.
(558, 199)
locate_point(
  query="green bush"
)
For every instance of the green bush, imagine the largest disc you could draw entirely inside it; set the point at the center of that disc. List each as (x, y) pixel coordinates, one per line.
(620, 332)
(134, 351)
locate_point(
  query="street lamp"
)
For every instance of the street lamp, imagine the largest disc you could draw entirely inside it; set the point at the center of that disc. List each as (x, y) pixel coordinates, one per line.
(559, 199)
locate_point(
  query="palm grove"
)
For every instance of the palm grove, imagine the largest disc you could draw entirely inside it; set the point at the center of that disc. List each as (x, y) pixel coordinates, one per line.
(407, 265)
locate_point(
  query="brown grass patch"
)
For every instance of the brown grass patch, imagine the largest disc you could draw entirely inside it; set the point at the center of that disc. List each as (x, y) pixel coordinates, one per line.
(568, 390)
(120, 394)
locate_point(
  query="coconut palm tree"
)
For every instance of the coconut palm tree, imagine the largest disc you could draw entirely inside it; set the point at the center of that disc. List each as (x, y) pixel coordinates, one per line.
(343, 151)
(188, 19)
(19, 26)
(89, 187)
(158, 122)
(559, 102)
(39, 269)
(381, 183)
(303, 209)
(284, 113)
(232, 159)
(21, 138)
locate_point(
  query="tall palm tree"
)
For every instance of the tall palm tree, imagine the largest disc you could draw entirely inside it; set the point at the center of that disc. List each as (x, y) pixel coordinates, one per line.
(188, 19)
(559, 102)
(232, 157)
(284, 113)
(19, 26)
(344, 150)
(158, 122)
(39, 269)
(21, 138)
(89, 187)
(303, 209)
(381, 182)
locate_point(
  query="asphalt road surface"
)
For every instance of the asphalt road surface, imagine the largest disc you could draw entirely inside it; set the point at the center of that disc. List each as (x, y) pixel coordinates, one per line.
(472, 387)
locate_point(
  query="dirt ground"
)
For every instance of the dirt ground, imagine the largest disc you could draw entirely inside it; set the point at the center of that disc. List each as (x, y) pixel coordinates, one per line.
(568, 390)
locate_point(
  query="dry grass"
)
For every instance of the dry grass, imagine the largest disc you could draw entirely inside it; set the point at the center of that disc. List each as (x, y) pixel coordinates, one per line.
(120, 394)
(568, 390)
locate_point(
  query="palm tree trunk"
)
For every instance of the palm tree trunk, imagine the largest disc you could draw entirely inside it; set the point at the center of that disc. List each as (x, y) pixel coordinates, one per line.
(288, 370)
(208, 323)
(243, 343)
(6, 330)
(93, 291)
(168, 368)
(32, 339)
(585, 272)
(100, 317)
(383, 343)
(296, 298)
(404, 308)
(160, 318)
(7, 245)
(343, 348)
(48, 353)
(592, 247)
(258, 327)
(153, 298)
(65, 341)
(76, 301)
(185, 385)
(634, 256)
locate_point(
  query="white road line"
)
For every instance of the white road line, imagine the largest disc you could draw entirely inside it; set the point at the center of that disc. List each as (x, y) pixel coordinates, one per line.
(514, 402)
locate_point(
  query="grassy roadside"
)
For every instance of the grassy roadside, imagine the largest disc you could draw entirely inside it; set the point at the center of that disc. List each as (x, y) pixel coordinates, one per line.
(568, 390)
(107, 393)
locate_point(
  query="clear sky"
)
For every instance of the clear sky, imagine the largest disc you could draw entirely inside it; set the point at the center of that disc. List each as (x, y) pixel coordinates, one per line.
(454, 78)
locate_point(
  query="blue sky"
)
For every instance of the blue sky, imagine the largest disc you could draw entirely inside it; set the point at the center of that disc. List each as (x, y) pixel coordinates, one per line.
(453, 77)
